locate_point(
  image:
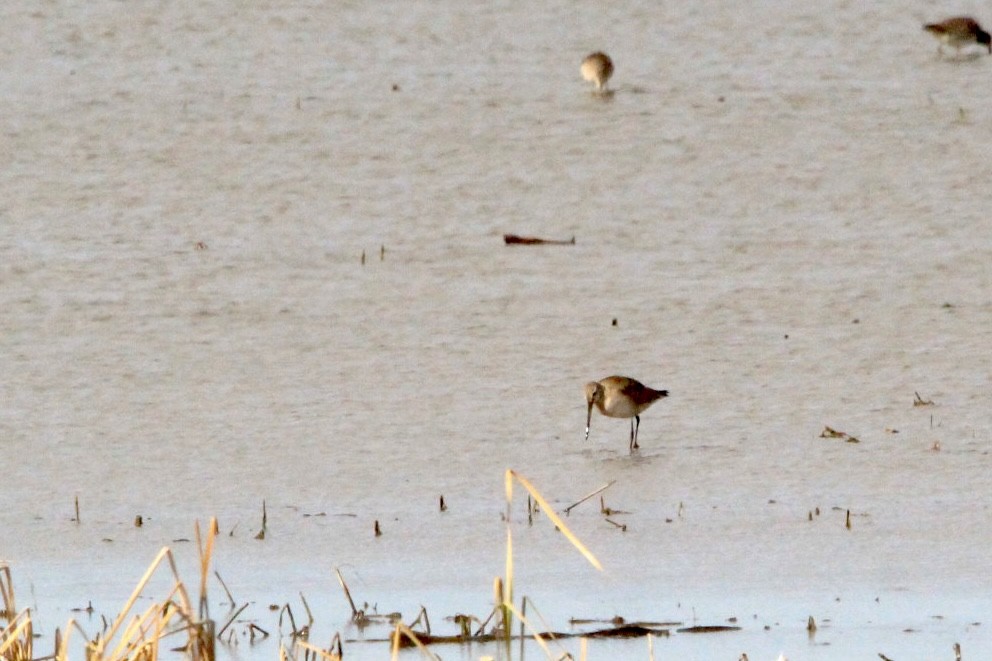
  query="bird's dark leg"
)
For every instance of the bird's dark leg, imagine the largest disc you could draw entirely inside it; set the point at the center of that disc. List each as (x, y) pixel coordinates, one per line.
(633, 432)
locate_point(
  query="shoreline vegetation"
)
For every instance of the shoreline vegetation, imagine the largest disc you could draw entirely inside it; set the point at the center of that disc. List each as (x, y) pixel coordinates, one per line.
(177, 623)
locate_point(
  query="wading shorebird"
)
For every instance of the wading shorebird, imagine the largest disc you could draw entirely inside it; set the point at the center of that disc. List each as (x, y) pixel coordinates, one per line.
(621, 397)
(959, 32)
(597, 69)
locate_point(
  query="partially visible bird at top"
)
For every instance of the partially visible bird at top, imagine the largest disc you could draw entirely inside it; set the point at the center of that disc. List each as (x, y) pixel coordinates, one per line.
(958, 32)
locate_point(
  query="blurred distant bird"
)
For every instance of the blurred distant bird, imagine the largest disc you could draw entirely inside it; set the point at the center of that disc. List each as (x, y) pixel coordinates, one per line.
(621, 397)
(959, 32)
(597, 69)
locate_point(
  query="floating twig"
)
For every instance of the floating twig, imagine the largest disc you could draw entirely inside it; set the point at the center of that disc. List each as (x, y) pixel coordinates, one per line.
(829, 432)
(514, 239)
(621, 526)
(589, 495)
(919, 401)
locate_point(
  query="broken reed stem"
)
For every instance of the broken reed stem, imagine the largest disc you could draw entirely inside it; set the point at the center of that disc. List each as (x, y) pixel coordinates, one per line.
(306, 607)
(77, 510)
(347, 593)
(230, 597)
(590, 495)
(231, 619)
(482, 625)
(422, 619)
(292, 620)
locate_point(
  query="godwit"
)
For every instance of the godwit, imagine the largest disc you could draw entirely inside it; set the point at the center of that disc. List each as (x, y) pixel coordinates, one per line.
(621, 397)
(959, 32)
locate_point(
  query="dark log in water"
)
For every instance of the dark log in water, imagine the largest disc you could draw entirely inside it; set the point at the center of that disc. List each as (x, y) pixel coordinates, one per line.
(513, 239)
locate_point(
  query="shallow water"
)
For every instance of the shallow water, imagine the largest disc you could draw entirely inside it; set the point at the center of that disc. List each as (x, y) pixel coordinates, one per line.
(786, 218)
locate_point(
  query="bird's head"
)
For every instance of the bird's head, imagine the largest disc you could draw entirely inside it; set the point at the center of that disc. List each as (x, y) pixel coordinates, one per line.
(594, 395)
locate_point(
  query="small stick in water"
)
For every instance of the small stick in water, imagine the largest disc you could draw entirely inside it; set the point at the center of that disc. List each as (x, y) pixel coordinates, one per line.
(265, 519)
(591, 494)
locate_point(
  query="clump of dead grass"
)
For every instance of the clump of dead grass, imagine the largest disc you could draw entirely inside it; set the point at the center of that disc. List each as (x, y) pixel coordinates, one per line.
(133, 635)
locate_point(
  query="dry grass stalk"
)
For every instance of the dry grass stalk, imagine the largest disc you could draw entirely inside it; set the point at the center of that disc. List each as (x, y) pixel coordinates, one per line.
(7, 593)
(206, 551)
(510, 475)
(17, 637)
(503, 592)
(537, 636)
(136, 636)
(547, 630)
